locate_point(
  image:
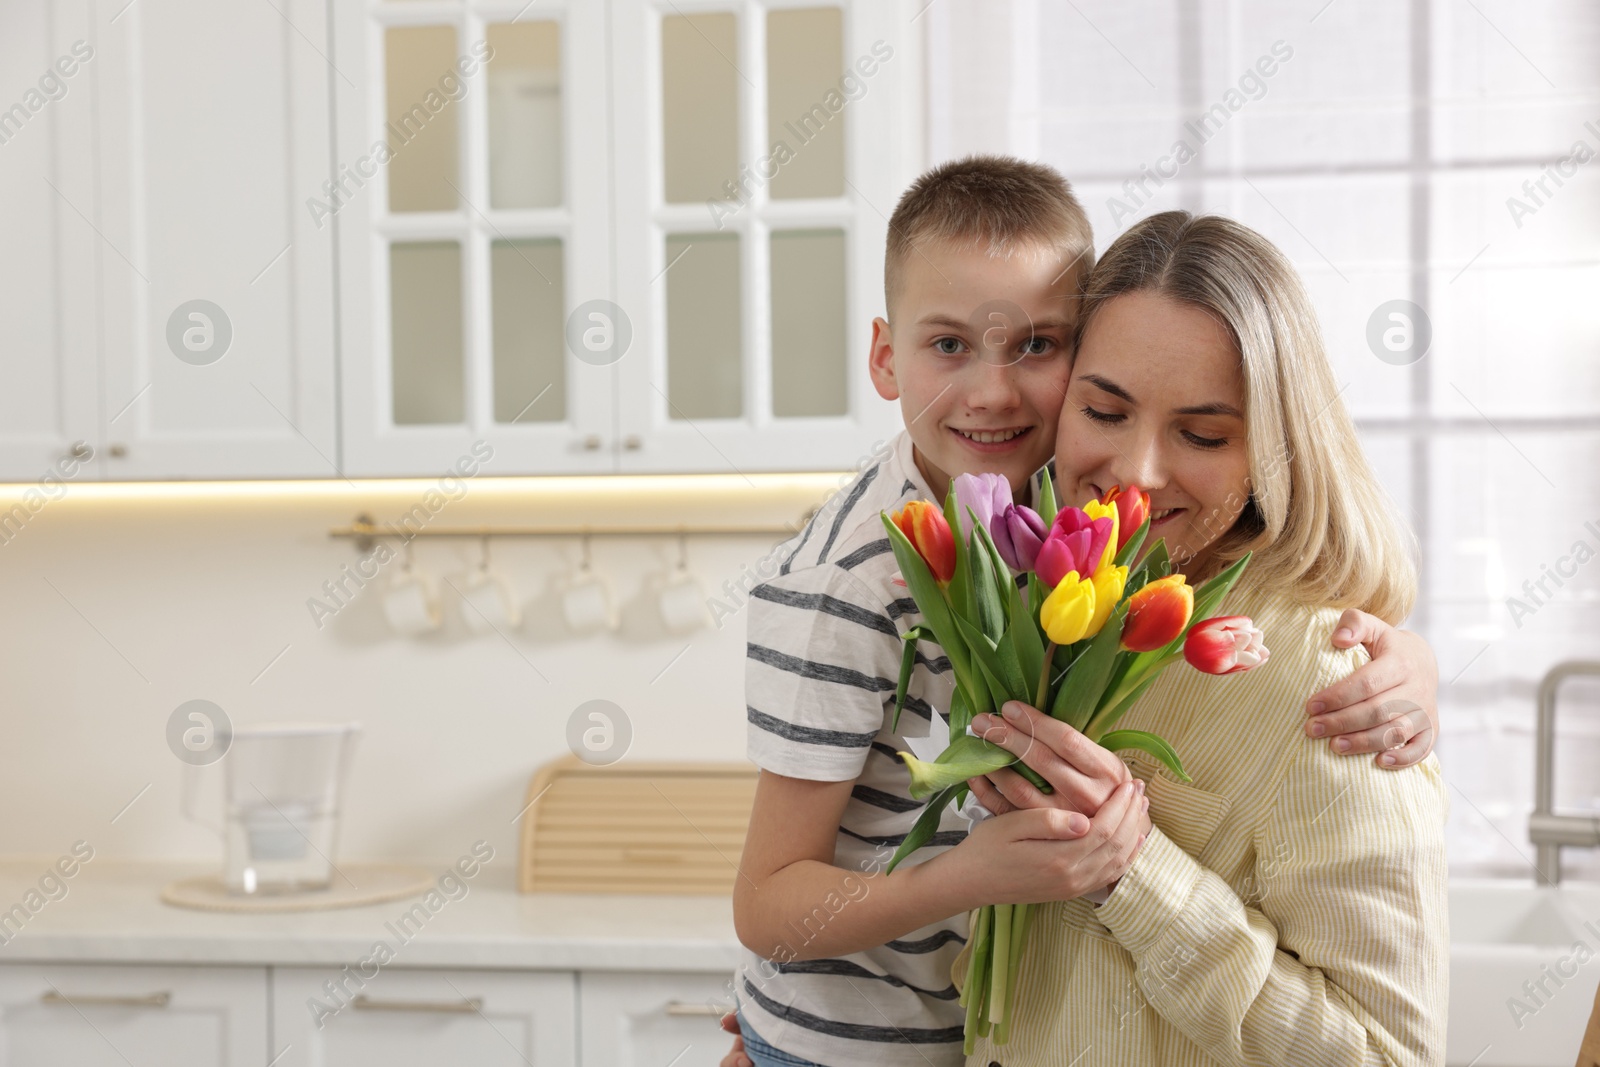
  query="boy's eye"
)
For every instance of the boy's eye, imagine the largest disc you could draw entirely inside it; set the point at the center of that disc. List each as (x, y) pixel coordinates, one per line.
(1038, 346)
(948, 346)
(1101, 416)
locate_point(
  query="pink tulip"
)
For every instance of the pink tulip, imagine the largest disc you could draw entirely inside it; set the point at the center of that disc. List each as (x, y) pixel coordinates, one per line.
(1227, 644)
(1075, 543)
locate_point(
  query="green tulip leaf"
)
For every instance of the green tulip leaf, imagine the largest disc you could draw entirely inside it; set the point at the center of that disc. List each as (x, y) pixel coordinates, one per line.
(1146, 742)
(1047, 499)
(1085, 683)
(1130, 548)
(908, 661)
(924, 828)
(967, 757)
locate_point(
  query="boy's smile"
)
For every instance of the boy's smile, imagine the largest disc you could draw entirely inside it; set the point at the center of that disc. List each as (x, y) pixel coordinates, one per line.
(978, 357)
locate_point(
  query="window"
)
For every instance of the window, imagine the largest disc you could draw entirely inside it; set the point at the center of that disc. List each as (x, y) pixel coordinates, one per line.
(1432, 153)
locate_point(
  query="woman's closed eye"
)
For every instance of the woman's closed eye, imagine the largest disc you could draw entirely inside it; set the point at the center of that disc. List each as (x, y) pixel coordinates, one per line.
(1102, 416)
(1112, 418)
(1204, 442)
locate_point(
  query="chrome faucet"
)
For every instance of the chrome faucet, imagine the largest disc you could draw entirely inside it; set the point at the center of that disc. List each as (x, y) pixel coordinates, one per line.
(1548, 831)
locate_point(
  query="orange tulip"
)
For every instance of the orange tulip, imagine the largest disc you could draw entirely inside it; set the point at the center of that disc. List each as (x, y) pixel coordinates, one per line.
(1157, 614)
(925, 527)
(1133, 507)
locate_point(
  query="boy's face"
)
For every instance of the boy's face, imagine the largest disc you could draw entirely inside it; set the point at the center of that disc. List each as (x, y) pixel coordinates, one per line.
(976, 351)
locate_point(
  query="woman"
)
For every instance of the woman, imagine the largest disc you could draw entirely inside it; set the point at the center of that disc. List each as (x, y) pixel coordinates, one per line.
(1288, 905)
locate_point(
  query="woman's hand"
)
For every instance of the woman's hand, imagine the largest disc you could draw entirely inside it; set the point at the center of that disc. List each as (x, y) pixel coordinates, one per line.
(1037, 855)
(1082, 773)
(1390, 705)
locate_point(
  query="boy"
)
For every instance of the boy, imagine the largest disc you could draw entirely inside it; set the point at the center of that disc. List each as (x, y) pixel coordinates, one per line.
(984, 265)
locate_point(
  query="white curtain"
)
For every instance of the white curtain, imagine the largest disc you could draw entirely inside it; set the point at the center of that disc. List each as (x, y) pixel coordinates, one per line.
(1446, 153)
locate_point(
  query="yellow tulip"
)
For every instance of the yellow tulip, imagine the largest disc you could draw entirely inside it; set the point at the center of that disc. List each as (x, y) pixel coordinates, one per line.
(1108, 586)
(1066, 612)
(1096, 510)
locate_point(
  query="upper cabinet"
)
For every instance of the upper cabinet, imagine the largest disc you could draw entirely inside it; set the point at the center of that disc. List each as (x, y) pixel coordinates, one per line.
(214, 281)
(473, 207)
(48, 355)
(309, 238)
(645, 243)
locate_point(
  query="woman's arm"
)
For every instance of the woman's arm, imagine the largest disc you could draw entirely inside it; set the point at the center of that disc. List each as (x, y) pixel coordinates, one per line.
(1338, 952)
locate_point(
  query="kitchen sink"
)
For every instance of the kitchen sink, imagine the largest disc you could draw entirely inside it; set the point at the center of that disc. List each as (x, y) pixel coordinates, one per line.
(1504, 934)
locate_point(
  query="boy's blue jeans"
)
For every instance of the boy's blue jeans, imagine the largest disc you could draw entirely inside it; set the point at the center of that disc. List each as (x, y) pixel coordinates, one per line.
(763, 1054)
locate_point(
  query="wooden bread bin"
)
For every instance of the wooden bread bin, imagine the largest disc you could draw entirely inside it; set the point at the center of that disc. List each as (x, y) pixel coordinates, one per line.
(635, 827)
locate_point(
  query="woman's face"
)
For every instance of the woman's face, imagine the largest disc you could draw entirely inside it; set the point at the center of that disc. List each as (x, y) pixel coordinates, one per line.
(1156, 400)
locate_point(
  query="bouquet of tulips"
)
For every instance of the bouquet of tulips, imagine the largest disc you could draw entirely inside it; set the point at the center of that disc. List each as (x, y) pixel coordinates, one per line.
(1060, 609)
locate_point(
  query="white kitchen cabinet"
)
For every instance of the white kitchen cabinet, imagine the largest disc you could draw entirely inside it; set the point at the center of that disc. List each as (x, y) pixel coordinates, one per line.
(647, 1020)
(212, 134)
(111, 1016)
(424, 1018)
(47, 318)
(759, 152)
(477, 220)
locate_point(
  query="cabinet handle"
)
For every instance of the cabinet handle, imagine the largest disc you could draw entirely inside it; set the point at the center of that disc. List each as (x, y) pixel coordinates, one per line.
(80, 450)
(684, 1007)
(118, 450)
(469, 1006)
(153, 1000)
(591, 443)
(633, 442)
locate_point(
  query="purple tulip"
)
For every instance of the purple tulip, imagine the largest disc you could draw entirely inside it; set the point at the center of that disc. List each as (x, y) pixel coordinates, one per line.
(1018, 533)
(986, 494)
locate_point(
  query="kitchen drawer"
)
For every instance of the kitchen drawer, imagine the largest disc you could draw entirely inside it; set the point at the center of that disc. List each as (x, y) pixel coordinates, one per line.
(423, 1018)
(111, 1016)
(647, 1020)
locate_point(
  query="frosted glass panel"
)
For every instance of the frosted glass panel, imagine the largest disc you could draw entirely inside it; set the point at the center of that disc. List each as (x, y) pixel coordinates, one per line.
(425, 333)
(808, 323)
(525, 157)
(700, 105)
(422, 118)
(530, 381)
(704, 377)
(805, 107)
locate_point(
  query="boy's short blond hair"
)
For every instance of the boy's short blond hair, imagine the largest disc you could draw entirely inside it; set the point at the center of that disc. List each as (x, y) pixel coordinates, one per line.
(998, 201)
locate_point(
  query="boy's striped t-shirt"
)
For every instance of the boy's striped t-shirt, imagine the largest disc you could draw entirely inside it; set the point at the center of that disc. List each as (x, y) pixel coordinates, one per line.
(823, 660)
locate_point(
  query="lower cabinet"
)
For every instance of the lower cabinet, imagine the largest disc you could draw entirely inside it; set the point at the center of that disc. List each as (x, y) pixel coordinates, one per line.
(650, 1020)
(111, 1016)
(423, 1018)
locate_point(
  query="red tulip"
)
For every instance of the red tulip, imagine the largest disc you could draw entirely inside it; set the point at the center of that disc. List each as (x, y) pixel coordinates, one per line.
(925, 527)
(1226, 644)
(1157, 614)
(1133, 507)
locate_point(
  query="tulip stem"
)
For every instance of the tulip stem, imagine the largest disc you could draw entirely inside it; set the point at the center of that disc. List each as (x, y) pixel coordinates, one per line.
(1041, 698)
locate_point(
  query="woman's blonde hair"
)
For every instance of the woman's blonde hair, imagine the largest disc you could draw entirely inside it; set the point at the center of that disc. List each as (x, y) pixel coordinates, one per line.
(1317, 520)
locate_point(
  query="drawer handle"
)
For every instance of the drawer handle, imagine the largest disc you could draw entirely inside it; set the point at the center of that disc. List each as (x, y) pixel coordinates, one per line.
(153, 1000)
(451, 1007)
(683, 1007)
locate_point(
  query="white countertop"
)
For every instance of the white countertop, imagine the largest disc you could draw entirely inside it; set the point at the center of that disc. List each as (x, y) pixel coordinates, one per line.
(113, 913)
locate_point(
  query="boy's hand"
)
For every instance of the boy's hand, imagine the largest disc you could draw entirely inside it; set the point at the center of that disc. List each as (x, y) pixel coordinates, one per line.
(1390, 705)
(1082, 773)
(736, 1055)
(1037, 855)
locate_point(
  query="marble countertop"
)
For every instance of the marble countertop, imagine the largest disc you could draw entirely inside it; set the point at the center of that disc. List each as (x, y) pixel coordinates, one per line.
(112, 913)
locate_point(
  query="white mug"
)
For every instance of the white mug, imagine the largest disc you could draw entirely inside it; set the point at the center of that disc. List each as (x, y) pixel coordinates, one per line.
(587, 604)
(489, 603)
(410, 604)
(681, 600)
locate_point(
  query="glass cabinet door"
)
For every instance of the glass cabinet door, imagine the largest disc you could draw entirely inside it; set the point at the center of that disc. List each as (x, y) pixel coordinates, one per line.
(475, 226)
(754, 183)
